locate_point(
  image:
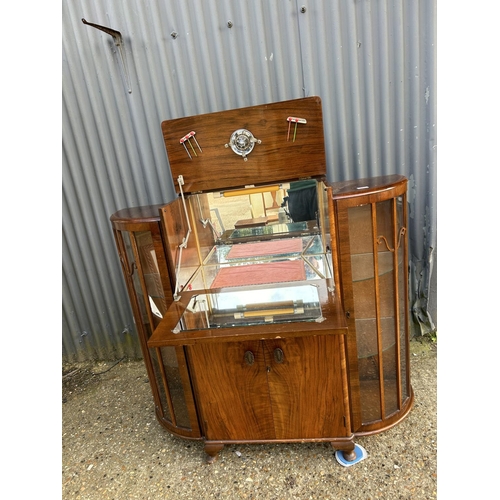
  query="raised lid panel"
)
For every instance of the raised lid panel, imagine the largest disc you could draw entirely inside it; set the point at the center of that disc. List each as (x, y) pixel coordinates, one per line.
(275, 159)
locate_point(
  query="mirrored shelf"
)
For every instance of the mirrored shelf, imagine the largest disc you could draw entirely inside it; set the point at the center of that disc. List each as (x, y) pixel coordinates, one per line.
(270, 231)
(265, 250)
(251, 306)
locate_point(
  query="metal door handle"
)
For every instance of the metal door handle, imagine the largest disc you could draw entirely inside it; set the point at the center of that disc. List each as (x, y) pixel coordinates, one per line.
(249, 358)
(279, 356)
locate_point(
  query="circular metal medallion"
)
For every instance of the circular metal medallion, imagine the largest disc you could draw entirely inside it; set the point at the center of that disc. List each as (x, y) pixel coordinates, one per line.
(242, 142)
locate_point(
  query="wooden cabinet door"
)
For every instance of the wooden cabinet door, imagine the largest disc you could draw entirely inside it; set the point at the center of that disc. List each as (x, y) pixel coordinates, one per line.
(271, 389)
(305, 378)
(232, 392)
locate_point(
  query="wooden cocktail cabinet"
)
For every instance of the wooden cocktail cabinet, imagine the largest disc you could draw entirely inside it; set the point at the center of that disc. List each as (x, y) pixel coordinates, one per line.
(272, 306)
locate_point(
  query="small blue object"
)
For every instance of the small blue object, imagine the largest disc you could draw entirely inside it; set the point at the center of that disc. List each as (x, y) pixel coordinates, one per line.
(360, 455)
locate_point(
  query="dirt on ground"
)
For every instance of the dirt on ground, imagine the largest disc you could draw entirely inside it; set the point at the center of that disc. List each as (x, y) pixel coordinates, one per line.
(114, 448)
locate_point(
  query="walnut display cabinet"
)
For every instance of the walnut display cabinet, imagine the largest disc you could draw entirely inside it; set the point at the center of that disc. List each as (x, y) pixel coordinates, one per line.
(271, 305)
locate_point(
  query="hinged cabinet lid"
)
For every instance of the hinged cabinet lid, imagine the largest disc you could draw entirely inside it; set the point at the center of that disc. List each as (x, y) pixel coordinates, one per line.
(277, 142)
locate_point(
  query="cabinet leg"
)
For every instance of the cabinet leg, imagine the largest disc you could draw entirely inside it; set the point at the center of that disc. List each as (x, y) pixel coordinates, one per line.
(212, 450)
(347, 448)
(349, 455)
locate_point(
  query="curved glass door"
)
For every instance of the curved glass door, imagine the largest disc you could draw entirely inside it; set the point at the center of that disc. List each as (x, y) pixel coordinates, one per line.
(377, 244)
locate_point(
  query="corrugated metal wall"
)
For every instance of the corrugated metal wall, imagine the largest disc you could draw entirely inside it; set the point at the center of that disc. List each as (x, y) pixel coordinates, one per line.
(371, 61)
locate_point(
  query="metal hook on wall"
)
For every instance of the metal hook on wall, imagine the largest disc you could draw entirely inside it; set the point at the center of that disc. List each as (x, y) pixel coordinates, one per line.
(118, 40)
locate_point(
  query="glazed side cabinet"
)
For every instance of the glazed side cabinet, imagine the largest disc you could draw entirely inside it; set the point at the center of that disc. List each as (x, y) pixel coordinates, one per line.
(372, 237)
(141, 249)
(288, 322)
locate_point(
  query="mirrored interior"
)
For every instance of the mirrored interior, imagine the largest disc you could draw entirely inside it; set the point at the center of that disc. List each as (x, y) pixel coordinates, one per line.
(253, 236)
(251, 306)
(256, 236)
(265, 212)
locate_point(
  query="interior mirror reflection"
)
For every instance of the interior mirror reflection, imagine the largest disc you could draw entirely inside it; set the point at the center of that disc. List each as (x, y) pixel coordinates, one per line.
(265, 212)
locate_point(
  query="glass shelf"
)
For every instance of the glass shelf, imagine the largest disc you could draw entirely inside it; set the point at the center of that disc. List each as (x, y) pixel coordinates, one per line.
(291, 259)
(259, 251)
(271, 231)
(259, 305)
(367, 336)
(363, 265)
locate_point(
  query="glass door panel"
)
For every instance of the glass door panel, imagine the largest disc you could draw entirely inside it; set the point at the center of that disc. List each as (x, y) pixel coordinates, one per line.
(169, 381)
(374, 235)
(152, 280)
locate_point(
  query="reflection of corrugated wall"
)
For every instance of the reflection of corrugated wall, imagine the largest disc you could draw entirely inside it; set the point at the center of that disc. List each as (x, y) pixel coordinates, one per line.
(371, 61)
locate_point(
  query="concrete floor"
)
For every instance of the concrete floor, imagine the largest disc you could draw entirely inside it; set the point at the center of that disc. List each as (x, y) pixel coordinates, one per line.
(114, 448)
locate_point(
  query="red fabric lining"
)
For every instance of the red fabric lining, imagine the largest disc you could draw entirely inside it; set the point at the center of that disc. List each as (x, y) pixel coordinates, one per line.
(259, 274)
(291, 245)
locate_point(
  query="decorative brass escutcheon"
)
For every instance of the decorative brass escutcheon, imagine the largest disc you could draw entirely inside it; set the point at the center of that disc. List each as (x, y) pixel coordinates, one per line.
(249, 358)
(279, 355)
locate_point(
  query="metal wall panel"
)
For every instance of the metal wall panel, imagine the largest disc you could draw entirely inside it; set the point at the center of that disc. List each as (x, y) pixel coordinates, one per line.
(371, 62)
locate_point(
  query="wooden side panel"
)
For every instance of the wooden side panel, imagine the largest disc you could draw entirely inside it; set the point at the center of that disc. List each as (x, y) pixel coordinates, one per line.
(232, 394)
(275, 159)
(306, 387)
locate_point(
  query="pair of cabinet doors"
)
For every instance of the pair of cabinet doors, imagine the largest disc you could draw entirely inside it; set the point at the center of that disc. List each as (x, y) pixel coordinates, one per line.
(276, 389)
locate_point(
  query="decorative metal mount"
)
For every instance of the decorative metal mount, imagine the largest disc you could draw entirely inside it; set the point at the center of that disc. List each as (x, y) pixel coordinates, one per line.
(290, 120)
(187, 138)
(242, 142)
(381, 239)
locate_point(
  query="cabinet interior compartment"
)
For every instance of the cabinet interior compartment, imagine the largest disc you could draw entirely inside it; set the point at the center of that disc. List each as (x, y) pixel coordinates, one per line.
(208, 249)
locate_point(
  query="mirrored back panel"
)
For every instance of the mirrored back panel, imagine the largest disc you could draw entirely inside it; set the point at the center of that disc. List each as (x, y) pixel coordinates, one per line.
(269, 234)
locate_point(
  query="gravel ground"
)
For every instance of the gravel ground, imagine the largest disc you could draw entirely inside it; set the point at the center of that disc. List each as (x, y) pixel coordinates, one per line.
(113, 448)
